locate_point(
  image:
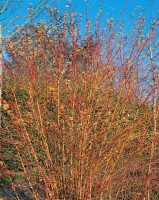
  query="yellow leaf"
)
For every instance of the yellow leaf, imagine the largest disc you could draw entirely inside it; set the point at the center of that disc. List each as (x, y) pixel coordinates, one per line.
(50, 88)
(71, 118)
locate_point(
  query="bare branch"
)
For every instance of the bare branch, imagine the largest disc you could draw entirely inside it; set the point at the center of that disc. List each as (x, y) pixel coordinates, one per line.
(4, 8)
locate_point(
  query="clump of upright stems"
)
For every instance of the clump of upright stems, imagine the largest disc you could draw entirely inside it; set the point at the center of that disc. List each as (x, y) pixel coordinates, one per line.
(79, 115)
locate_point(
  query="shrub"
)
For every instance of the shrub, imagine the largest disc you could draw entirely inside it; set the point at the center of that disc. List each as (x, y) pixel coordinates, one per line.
(75, 125)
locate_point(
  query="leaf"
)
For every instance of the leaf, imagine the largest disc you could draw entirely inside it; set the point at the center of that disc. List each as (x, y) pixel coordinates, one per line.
(6, 106)
(71, 118)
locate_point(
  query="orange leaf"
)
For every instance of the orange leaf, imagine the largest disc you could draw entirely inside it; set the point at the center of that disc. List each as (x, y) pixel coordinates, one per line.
(6, 106)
